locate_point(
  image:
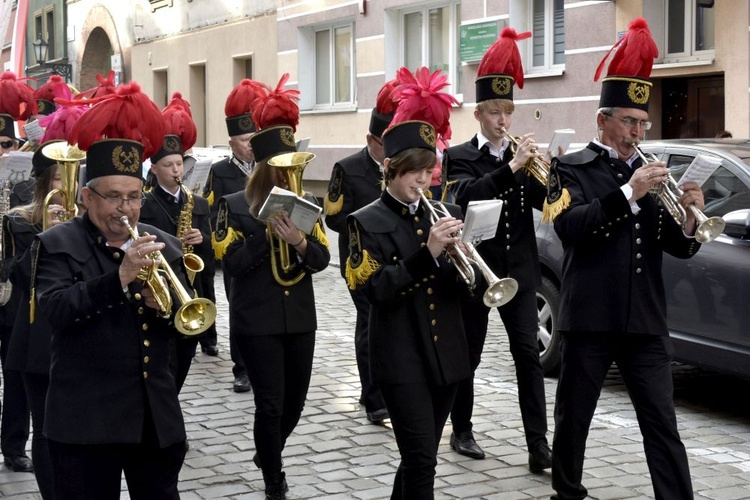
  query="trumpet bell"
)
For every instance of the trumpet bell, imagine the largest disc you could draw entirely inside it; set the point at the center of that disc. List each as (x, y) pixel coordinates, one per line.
(709, 229)
(501, 292)
(195, 316)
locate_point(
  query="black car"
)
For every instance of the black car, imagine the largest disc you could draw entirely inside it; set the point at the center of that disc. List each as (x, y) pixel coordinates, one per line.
(707, 295)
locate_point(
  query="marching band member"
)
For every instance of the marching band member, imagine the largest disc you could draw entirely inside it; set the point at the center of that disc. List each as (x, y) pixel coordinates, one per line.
(112, 403)
(356, 181)
(485, 168)
(612, 304)
(166, 206)
(275, 325)
(418, 350)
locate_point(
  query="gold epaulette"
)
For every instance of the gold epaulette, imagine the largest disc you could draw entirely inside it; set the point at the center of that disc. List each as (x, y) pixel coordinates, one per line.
(320, 235)
(333, 207)
(210, 199)
(220, 246)
(359, 274)
(555, 208)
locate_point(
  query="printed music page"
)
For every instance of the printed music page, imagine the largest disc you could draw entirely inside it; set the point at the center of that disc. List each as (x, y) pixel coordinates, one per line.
(560, 139)
(482, 218)
(700, 169)
(303, 213)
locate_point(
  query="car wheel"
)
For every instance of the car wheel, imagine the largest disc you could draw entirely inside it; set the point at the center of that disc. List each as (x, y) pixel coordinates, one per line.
(547, 299)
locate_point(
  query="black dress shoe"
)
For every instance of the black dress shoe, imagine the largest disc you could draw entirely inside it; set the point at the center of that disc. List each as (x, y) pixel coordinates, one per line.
(464, 444)
(210, 350)
(540, 458)
(19, 464)
(377, 416)
(241, 384)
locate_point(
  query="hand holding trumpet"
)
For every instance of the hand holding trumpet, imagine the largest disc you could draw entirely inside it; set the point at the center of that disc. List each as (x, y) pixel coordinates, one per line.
(525, 150)
(443, 233)
(647, 177)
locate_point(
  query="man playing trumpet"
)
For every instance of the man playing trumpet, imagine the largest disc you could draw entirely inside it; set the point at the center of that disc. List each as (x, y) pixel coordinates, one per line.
(486, 168)
(613, 307)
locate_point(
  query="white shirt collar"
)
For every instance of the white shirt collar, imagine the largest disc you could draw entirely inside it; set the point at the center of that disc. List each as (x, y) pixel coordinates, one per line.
(613, 154)
(175, 195)
(482, 140)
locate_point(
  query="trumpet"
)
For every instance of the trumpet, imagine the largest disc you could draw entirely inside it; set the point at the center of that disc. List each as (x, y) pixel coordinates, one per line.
(195, 315)
(668, 193)
(537, 167)
(69, 158)
(499, 290)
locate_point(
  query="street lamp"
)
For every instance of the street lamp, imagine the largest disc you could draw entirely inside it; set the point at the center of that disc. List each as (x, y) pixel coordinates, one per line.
(40, 53)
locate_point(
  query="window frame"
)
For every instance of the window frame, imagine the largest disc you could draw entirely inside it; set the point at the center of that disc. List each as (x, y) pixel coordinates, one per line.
(454, 66)
(332, 104)
(549, 41)
(689, 38)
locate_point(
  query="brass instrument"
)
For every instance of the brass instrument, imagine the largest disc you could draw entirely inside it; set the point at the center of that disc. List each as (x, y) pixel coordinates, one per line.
(291, 166)
(193, 263)
(500, 291)
(668, 193)
(195, 315)
(537, 167)
(69, 158)
(6, 287)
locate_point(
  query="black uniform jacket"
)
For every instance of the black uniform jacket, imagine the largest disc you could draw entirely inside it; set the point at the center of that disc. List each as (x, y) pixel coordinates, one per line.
(612, 280)
(416, 334)
(110, 353)
(29, 349)
(259, 304)
(356, 181)
(512, 252)
(163, 211)
(225, 177)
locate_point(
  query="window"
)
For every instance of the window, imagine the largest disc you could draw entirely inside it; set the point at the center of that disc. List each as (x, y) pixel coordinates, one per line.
(155, 4)
(547, 45)
(429, 38)
(689, 28)
(334, 66)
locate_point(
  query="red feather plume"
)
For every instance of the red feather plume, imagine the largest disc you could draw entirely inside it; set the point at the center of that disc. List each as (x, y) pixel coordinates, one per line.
(634, 52)
(106, 87)
(127, 114)
(179, 122)
(503, 56)
(243, 97)
(385, 104)
(277, 107)
(16, 98)
(419, 98)
(54, 87)
(59, 124)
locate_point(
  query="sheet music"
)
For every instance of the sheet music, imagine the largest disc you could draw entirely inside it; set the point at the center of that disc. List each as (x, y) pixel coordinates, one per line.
(16, 166)
(702, 167)
(197, 176)
(34, 132)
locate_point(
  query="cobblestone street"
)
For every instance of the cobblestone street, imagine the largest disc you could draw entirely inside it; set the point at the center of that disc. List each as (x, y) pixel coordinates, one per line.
(335, 453)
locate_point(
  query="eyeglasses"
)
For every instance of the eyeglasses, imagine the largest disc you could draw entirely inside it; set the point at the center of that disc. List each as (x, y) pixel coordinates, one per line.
(7, 144)
(632, 122)
(135, 201)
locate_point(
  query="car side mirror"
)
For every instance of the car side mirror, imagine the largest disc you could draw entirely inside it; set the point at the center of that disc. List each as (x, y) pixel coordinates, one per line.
(738, 224)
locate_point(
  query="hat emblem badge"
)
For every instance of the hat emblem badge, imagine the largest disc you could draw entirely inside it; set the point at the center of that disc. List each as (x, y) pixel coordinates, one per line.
(638, 92)
(126, 160)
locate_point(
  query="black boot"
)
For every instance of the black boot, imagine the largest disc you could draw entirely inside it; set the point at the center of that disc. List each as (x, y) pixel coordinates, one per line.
(276, 486)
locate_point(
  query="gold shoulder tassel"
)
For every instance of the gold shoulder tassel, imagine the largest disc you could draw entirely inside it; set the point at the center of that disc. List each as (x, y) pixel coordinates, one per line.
(552, 210)
(358, 275)
(210, 199)
(331, 207)
(220, 246)
(320, 235)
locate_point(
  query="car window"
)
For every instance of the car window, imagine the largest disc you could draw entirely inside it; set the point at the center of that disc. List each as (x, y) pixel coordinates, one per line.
(723, 192)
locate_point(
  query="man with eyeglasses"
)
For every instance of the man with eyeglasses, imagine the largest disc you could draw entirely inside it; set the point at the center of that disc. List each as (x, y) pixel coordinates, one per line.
(356, 181)
(112, 406)
(612, 303)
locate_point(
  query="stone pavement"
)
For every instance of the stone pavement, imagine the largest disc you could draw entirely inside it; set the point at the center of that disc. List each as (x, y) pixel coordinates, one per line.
(336, 454)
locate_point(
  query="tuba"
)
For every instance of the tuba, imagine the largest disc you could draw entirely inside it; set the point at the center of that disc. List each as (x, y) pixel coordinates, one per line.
(537, 167)
(69, 158)
(668, 193)
(193, 263)
(500, 291)
(195, 315)
(291, 166)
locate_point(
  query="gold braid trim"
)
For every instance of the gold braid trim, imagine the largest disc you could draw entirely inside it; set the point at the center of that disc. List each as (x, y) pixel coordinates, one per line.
(551, 211)
(360, 274)
(320, 235)
(333, 207)
(210, 199)
(220, 247)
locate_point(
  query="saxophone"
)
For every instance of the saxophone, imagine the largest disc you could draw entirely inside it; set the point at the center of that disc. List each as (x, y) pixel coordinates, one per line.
(193, 263)
(5, 286)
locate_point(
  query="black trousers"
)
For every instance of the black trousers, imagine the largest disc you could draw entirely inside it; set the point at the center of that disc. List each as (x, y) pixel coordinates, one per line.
(208, 291)
(179, 363)
(93, 471)
(645, 365)
(370, 391)
(36, 385)
(16, 417)
(521, 323)
(238, 368)
(418, 413)
(279, 368)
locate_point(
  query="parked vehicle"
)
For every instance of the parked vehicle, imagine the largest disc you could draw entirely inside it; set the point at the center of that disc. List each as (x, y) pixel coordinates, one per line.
(708, 295)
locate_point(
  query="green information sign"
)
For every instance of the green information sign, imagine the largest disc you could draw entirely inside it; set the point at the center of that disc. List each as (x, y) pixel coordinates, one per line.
(475, 39)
